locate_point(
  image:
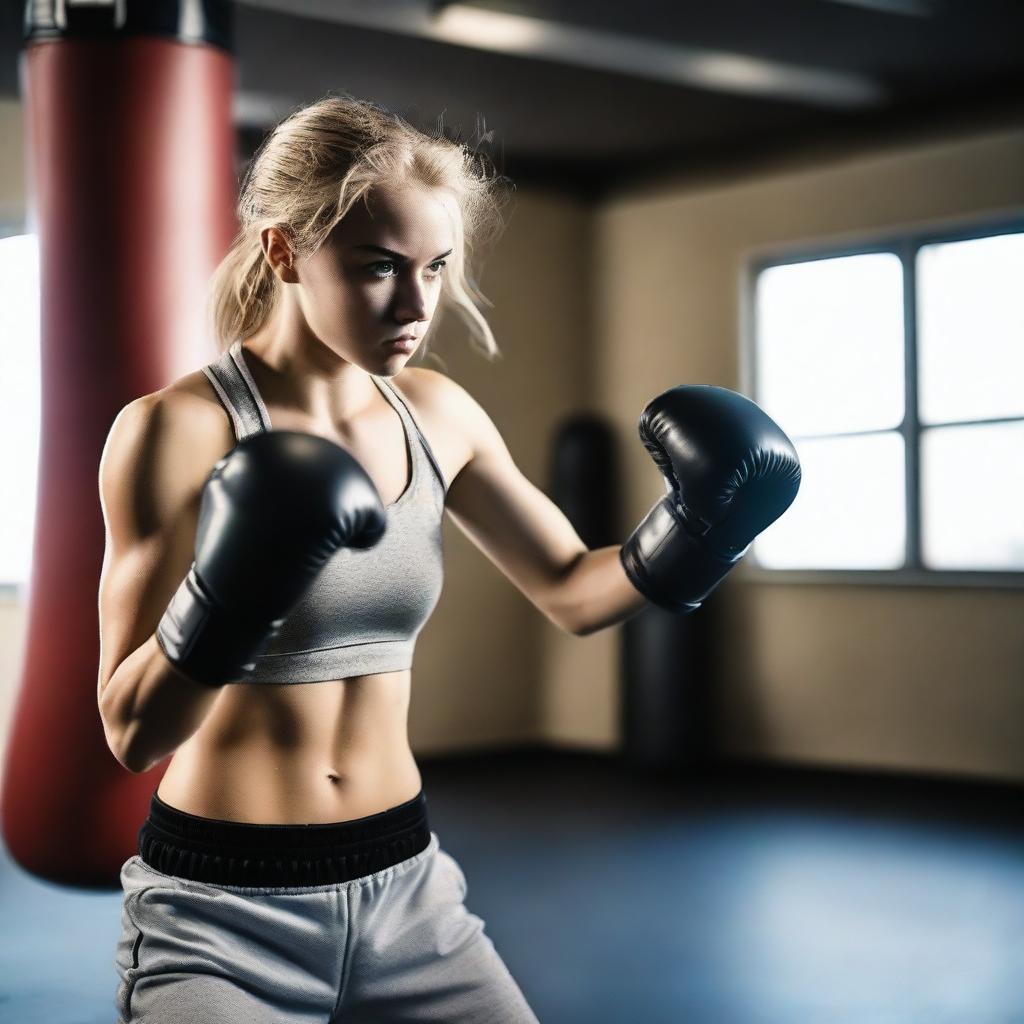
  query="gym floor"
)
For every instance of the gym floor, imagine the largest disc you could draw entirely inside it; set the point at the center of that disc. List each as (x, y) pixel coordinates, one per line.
(747, 895)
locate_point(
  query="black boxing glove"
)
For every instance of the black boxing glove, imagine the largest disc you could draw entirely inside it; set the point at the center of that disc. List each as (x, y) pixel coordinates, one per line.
(731, 472)
(272, 512)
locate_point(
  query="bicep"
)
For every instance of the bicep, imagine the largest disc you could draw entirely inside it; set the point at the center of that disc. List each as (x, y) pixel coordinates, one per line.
(511, 520)
(150, 483)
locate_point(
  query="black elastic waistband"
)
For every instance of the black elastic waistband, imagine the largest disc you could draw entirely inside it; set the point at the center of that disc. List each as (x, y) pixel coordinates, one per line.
(242, 853)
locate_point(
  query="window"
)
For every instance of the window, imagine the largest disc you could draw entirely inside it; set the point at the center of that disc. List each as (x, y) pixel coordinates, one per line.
(898, 372)
(19, 404)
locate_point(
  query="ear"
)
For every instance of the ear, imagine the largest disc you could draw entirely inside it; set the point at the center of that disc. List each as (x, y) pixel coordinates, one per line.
(278, 253)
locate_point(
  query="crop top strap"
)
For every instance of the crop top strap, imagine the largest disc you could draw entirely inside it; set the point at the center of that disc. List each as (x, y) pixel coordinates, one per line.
(238, 393)
(403, 409)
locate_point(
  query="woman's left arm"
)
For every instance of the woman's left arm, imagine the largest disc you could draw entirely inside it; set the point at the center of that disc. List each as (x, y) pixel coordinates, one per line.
(520, 529)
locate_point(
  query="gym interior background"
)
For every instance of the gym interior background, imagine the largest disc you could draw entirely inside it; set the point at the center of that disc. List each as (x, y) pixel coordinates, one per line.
(834, 780)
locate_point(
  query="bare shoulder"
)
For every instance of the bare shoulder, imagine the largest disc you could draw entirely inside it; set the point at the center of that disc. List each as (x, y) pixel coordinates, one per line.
(194, 392)
(431, 386)
(192, 410)
(456, 426)
(183, 420)
(443, 400)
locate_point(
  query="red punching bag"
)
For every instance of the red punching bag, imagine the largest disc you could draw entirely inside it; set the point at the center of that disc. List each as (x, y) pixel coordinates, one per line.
(132, 191)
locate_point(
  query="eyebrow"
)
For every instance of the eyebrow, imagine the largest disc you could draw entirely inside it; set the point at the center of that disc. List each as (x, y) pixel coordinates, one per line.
(394, 255)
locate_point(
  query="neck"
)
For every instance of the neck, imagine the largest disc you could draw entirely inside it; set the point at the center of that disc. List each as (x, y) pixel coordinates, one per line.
(295, 370)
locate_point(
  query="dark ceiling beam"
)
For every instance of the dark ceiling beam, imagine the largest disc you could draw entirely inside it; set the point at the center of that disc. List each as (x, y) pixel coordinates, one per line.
(479, 28)
(908, 8)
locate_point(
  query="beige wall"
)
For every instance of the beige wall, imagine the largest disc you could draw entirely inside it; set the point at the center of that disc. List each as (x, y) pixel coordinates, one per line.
(12, 169)
(902, 678)
(603, 309)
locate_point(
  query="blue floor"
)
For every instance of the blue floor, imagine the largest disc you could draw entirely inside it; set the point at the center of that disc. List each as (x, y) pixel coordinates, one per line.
(747, 896)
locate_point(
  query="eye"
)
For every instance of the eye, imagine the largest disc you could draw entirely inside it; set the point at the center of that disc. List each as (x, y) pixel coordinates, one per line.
(373, 267)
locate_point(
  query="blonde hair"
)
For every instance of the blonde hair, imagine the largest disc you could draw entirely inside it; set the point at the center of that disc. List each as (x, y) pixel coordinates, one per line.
(309, 172)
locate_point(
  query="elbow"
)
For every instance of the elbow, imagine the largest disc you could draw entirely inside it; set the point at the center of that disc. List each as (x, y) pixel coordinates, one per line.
(129, 763)
(137, 761)
(121, 754)
(572, 627)
(113, 733)
(118, 745)
(129, 766)
(121, 757)
(132, 765)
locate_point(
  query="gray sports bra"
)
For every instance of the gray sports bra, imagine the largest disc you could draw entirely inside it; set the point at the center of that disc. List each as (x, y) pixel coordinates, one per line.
(364, 609)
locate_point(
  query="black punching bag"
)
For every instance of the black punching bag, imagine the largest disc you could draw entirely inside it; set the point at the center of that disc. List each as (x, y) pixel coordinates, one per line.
(584, 474)
(667, 660)
(668, 687)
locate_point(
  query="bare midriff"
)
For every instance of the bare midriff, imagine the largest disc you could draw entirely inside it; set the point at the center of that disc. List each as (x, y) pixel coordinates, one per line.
(298, 753)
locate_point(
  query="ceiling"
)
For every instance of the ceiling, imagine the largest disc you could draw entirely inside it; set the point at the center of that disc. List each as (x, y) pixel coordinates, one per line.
(589, 96)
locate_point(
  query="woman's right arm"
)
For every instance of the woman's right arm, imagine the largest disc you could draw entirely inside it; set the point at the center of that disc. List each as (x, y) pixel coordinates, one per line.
(160, 450)
(207, 553)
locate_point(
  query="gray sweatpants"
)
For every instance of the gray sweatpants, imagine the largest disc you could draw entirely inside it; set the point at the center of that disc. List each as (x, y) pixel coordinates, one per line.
(396, 946)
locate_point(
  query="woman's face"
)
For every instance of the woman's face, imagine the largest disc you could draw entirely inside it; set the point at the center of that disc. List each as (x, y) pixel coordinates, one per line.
(379, 275)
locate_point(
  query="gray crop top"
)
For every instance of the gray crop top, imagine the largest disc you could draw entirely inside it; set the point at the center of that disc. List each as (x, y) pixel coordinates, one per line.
(364, 609)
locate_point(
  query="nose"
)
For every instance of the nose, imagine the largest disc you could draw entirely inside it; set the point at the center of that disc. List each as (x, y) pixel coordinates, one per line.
(410, 301)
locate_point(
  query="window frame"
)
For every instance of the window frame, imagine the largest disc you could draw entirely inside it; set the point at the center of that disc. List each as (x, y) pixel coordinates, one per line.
(905, 243)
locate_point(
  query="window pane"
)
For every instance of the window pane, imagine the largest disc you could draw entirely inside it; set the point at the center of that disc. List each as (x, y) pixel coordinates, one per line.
(970, 325)
(849, 512)
(830, 344)
(972, 497)
(19, 402)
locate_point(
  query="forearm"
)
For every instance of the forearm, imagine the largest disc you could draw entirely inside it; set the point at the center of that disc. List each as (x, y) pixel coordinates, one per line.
(596, 593)
(149, 708)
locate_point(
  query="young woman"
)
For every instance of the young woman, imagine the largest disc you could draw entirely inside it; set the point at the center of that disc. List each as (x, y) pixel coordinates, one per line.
(274, 548)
